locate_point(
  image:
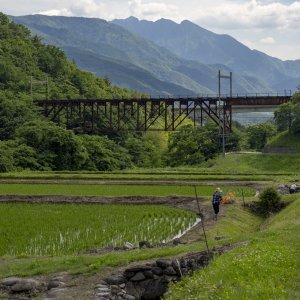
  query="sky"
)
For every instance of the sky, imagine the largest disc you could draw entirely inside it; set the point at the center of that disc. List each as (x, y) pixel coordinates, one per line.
(270, 26)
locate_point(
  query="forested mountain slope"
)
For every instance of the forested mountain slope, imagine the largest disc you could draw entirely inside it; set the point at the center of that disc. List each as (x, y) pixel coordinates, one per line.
(162, 71)
(193, 42)
(27, 139)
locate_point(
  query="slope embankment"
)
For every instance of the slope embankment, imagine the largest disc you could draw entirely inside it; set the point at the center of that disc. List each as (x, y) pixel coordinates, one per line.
(267, 268)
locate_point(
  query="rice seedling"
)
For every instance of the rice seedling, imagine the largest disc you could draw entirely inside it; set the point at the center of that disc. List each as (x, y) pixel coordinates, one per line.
(57, 229)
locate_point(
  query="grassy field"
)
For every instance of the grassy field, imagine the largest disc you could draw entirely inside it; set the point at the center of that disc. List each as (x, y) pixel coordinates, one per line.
(267, 268)
(51, 229)
(117, 190)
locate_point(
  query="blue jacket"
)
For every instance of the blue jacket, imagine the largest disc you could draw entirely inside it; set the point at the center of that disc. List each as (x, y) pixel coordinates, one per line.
(217, 197)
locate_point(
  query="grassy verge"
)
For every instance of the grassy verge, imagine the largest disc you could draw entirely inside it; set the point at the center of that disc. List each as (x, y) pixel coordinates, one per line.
(268, 268)
(237, 224)
(84, 264)
(116, 190)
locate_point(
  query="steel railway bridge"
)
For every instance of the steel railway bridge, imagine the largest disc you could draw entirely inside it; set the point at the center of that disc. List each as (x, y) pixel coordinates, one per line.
(108, 115)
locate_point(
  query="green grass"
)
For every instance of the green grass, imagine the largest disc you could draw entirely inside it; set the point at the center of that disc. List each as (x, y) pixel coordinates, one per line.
(138, 177)
(86, 264)
(285, 139)
(267, 268)
(235, 167)
(56, 229)
(116, 190)
(237, 223)
(259, 164)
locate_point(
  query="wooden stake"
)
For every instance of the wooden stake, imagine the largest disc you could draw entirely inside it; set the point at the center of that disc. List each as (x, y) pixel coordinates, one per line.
(201, 216)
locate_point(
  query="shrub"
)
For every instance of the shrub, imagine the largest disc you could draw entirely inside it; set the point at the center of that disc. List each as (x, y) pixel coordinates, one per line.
(269, 202)
(6, 161)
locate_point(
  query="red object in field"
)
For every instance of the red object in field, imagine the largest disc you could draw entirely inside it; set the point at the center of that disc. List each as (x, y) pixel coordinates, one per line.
(226, 199)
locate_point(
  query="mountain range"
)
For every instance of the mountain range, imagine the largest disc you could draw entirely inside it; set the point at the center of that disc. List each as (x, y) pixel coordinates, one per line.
(163, 57)
(192, 42)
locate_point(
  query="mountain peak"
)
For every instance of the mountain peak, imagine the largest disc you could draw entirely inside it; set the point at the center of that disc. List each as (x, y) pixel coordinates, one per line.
(132, 19)
(187, 22)
(163, 20)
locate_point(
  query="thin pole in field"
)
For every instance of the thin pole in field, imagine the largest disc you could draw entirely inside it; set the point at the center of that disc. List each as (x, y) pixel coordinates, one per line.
(201, 216)
(243, 197)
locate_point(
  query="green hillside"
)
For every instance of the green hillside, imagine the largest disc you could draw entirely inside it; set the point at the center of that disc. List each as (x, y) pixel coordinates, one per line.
(27, 139)
(267, 268)
(24, 56)
(256, 163)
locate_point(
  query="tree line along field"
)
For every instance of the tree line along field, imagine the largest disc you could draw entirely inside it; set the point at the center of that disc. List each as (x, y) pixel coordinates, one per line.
(238, 167)
(118, 190)
(56, 229)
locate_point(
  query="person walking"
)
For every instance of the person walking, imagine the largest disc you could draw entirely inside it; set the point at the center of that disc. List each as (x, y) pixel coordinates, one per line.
(216, 201)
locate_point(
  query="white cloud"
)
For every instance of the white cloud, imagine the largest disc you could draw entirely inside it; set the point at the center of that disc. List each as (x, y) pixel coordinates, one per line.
(267, 40)
(253, 22)
(152, 10)
(56, 12)
(83, 8)
(87, 8)
(250, 14)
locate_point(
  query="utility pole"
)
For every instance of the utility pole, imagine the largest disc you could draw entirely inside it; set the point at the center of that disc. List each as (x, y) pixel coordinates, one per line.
(43, 82)
(221, 107)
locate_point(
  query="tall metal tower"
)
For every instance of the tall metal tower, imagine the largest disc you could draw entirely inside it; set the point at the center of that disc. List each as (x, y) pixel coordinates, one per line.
(221, 107)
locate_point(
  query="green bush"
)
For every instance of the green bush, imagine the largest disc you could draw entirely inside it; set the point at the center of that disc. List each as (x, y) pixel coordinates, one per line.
(269, 202)
(6, 160)
(193, 145)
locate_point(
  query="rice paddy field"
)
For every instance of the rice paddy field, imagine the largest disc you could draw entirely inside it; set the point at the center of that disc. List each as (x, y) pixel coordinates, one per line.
(56, 229)
(118, 190)
(141, 176)
(68, 229)
(44, 238)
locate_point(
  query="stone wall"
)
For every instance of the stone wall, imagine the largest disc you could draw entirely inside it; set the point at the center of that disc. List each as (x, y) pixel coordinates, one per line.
(150, 281)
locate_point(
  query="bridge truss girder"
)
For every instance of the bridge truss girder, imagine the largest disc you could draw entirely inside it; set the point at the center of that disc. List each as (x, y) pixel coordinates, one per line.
(167, 114)
(135, 115)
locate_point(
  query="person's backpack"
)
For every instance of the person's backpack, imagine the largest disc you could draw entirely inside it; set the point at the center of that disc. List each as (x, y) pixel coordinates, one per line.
(216, 198)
